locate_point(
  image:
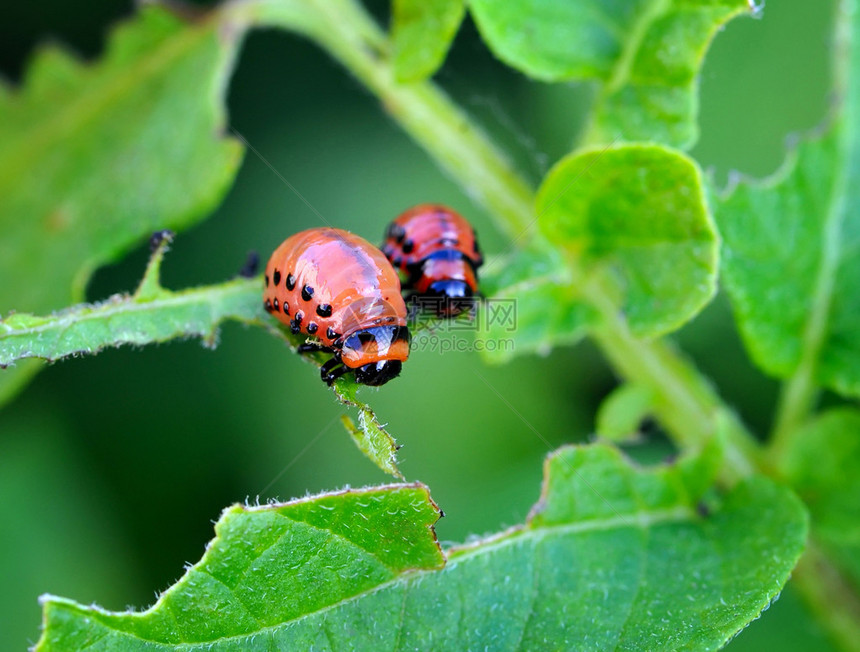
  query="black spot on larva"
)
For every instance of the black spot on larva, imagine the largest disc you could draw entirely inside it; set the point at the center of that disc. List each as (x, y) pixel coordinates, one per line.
(294, 327)
(275, 304)
(307, 292)
(324, 310)
(267, 304)
(286, 308)
(291, 282)
(408, 246)
(397, 232)
(276, 277)
(331, 334)
(312, 327)
(397, 262)
(299, 316)
(267, 280)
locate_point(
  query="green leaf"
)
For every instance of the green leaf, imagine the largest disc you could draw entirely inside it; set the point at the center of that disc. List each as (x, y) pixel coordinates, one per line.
(645, 53)
(120, 320)
(532, 306)
(641, 211)
(622, 412)
(791, 260)
(612, 557)
(792, 245)
(421, 33)
(369, 435)
(270, 565)
(152, 314)
(93, 158)
(823, 465)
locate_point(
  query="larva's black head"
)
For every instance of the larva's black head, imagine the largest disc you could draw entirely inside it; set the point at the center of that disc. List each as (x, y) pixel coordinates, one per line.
(450, 296)
(376, 353)
(450, 289)
(378, 373)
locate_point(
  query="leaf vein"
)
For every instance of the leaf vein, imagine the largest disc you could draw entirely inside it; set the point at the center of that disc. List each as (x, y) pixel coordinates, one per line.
(532, 598)
(233, 592)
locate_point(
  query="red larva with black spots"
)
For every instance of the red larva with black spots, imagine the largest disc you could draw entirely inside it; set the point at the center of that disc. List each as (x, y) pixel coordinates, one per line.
(340, 289)
(437, 251)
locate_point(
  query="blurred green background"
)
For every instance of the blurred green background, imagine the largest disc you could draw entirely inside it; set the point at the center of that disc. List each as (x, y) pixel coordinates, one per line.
(113, 468)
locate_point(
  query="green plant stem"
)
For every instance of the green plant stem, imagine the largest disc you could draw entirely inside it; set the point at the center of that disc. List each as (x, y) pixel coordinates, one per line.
(687, 404)
(152, 314)
(796, 400)
(349, 35)
(831, 597)
(592, 134)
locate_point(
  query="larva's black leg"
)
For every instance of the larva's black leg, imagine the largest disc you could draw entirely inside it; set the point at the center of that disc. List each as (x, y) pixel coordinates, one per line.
(326, 369)
(312, 347)
(337, 373)
(331, 371)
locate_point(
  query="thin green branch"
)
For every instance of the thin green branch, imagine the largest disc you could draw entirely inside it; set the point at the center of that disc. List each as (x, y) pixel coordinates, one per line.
(623, 66)
(151, 314)
(797, 398)
(684, 401)
(122, 320)
(833, 600)
(349, 35)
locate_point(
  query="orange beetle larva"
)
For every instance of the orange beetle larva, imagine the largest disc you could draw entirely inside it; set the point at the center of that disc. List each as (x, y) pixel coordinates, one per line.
(436, 249)
(340, 289)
